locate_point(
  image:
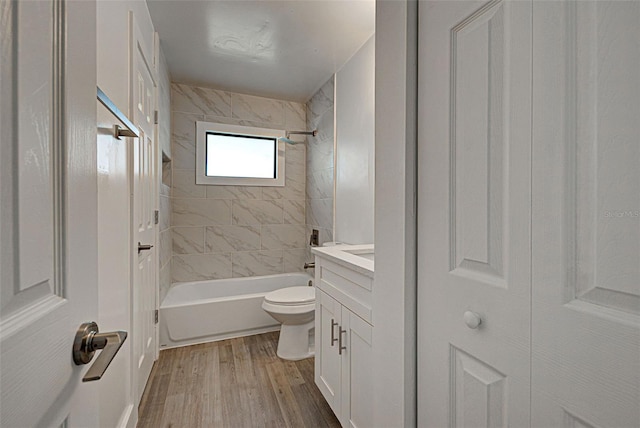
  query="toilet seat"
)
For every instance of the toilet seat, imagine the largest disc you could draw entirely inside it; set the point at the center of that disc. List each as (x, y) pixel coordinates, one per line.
(291, 296)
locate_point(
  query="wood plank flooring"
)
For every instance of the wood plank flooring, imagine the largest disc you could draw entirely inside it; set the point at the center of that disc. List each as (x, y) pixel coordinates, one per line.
(234, 383)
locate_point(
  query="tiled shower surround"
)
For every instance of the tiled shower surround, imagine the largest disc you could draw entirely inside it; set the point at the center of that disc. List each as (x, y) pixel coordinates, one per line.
(234, 231)
(164, 140)
(320, 151)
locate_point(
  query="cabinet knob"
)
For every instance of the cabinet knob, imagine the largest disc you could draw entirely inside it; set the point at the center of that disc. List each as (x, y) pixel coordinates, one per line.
(472, 319)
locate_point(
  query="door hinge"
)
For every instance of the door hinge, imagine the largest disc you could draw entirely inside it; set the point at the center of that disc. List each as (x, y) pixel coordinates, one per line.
(156, 217)
(155, 117)
(156, 316)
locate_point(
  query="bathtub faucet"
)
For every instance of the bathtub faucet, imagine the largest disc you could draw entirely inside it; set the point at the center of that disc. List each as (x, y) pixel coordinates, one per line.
(311, 265)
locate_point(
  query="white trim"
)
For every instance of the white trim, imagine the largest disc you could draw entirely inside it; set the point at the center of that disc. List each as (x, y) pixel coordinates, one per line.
(394, 400)
(202, 178)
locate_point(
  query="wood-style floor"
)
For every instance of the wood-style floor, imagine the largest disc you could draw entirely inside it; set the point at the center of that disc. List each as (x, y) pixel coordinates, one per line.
(233, 383)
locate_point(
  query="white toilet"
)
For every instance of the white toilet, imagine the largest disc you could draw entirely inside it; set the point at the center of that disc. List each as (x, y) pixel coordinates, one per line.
(294, 307)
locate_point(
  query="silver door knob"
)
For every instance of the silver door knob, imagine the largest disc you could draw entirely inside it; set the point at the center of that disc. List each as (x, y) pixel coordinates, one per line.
(88, 341)
(472, 320)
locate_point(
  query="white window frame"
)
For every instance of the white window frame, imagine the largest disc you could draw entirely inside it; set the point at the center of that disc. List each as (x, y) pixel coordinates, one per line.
(201, 155)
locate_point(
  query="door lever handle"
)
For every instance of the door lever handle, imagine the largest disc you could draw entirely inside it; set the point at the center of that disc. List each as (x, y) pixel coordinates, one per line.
(88, 341)
(144, 247)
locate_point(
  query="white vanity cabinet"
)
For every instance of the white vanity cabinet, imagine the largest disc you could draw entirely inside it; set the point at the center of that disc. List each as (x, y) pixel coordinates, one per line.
(343, 360)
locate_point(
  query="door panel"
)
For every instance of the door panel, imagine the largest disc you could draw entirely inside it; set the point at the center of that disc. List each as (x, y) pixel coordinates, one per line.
(48, 211)
(474, 213)
(586, 218)
(477, 146)
(479, 391)
(605, 153)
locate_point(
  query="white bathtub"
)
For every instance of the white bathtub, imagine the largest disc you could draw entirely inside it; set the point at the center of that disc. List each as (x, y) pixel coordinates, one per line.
(205, 311)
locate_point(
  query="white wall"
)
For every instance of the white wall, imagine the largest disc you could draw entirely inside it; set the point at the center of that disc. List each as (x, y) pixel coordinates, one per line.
(394, 293)
(355, 151)
(113, 49)
(114, 243)
(114, 53)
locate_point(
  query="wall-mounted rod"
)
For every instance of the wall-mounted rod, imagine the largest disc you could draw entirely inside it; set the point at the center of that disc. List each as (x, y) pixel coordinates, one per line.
(130, 130)
(287, 134)
(312, 133)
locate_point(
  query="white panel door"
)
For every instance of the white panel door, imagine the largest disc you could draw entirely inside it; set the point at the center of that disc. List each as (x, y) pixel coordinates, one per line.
(474, 213)
(327, 360)
(48, 214)
(586, 214)
(144, 196)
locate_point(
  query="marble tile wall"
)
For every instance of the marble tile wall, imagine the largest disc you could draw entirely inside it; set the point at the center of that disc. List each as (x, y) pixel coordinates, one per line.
(320, 164)
(164, 141)
(234, 231)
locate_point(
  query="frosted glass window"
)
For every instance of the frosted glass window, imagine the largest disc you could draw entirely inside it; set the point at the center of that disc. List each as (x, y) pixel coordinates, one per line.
(237, 155)
(241, 156)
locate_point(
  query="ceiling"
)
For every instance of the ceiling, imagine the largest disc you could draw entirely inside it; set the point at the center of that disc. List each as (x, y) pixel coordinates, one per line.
(278, 49)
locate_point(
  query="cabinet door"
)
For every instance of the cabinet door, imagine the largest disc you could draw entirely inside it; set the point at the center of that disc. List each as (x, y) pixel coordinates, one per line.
(327, 361)
(357, 372)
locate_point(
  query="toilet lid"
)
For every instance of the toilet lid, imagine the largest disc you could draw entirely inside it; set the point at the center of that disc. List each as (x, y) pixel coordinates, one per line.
(292, 295)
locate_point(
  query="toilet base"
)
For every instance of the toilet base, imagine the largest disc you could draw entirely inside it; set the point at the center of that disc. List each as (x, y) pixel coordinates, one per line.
(296, 341)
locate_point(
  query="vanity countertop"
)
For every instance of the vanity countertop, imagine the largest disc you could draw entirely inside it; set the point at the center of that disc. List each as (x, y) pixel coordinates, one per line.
(357, 257)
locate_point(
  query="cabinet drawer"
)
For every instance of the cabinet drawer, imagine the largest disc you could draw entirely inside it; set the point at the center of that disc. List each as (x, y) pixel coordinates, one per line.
(350, 288)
